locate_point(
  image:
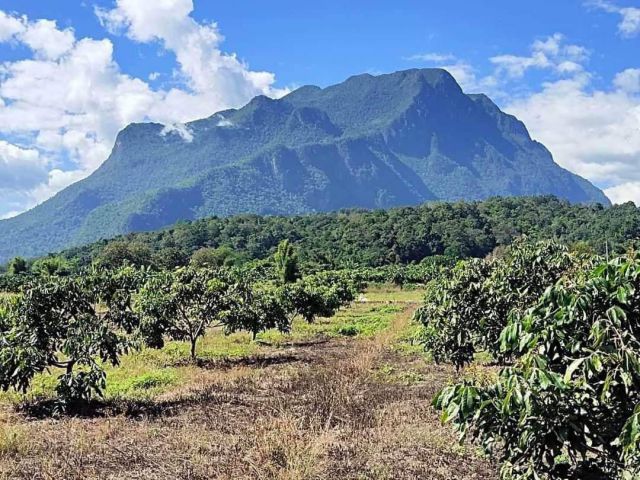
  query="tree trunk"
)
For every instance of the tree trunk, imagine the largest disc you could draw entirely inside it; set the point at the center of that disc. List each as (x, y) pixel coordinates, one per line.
(193, 348)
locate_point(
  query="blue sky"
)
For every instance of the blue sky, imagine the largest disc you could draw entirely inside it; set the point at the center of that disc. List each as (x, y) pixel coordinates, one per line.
(74, 72)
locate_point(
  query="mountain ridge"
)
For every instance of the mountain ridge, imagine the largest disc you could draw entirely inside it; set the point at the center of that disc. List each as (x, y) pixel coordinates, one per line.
(371, 141)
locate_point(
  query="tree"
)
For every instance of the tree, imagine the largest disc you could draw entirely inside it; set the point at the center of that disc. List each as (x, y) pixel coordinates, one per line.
(286, 262)
(50, 266)
(183, 304)
(465, 312)
(17, 266)
(55, 324)
(453, 311)
(213, 257)
(121, 252)
(318, 295)
(169, 258)
(256, 308)
(574, 390)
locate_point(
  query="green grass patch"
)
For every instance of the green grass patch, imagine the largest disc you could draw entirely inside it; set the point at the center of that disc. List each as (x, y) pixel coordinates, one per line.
(366, 320)
(148, 384)
(409, 341)
(359, 320)
(389, 293)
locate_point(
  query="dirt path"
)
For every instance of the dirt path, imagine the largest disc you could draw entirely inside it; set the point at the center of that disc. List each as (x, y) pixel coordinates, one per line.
(325, 409)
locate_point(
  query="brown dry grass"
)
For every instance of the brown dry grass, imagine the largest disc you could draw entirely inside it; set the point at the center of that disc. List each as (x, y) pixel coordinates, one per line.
(325, 412)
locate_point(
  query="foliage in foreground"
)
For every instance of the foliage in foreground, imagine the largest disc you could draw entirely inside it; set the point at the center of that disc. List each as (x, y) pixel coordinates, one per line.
(62, 325)
(466, 309)
(573, 394)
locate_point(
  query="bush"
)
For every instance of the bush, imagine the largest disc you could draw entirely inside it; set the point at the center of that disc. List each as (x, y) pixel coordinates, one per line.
(465, 312)
(574, 390)
(56, 324)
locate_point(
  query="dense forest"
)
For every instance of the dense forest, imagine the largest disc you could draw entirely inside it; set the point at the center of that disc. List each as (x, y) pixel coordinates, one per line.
(374, 238)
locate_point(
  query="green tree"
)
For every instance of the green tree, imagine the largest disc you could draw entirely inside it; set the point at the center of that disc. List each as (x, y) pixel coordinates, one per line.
(286, 262)
(121, 252)
(453, 311)
(183, 304)
(319, 295)
(256, 308)
(56, 324)
(50, 266)
(574, 390)
(222, 256)
(17, 266)
(169, 258)
(465, 312)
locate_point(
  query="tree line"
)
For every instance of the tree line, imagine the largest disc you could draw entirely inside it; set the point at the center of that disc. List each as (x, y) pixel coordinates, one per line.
(362, 238)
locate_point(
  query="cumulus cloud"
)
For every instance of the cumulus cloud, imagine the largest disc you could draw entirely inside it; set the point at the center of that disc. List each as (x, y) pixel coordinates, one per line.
(629, 25)
(628, 80)
(20, 168)
(626, 192)
(46, 40)
(551, 53)
(203, 66)
(67, 101)
(595, 133)
(9, 26)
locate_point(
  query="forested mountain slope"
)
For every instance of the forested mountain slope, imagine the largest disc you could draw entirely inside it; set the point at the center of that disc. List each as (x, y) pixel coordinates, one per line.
(371, 141)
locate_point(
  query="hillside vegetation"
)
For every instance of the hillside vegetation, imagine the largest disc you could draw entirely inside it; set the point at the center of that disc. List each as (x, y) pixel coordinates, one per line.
(374, 238)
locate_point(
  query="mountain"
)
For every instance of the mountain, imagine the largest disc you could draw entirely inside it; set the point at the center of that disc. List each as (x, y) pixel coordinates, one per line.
(371, 141)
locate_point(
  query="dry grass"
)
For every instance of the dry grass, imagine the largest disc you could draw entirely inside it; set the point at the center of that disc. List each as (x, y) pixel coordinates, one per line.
(328, 411)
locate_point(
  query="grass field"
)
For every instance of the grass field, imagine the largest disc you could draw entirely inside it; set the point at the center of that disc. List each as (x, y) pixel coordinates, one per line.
(342, 398)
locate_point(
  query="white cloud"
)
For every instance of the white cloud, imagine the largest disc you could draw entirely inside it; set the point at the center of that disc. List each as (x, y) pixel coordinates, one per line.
(467, 76)
(432, 57)
(20, 168)
(626, 192)
(595, 133)
(551, 53)
(224, 122)
(71, 97)
(44, 38)
(179, 129)
(629, 25)
(628, 80)
(203, 66)
(9, 26)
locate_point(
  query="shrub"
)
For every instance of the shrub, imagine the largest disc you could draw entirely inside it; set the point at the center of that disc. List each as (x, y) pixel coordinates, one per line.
(574, 390)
